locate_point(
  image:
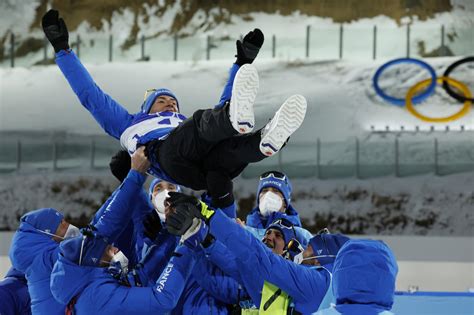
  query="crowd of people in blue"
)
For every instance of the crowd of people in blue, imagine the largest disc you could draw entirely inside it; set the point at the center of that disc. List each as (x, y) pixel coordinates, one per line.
(163, 251)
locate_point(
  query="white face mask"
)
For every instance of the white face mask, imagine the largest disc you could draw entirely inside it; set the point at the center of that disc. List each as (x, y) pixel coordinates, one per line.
(269, 203)
(72, 231)
(159, 203)
(122, 259)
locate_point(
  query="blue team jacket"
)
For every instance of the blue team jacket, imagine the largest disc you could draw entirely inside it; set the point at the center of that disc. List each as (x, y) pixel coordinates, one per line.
(34, 254)
(98, 292)
(364, 276)
(14, 296)
(255, 263)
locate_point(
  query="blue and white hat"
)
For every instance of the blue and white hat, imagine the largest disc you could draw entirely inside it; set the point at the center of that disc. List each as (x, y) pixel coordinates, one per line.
(148, 103)
(276, 180)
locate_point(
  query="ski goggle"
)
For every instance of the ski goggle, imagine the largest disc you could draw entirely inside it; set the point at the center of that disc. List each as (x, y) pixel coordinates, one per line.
(283, 223)
(274, 174)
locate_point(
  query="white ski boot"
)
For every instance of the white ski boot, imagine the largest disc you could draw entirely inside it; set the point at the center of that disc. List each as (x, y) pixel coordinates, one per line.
(286, 121)
(244, 91)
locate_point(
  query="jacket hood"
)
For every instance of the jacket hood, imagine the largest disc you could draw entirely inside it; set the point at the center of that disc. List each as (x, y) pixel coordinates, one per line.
(364, 272)
(26, 242)
(254, 219)
(69, 279)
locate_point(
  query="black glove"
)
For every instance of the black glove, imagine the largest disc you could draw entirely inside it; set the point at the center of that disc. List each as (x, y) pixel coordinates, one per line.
(220, 188)
(184, 209)
(152, 225)
(248, 49)
(55, 30)
(120, 164)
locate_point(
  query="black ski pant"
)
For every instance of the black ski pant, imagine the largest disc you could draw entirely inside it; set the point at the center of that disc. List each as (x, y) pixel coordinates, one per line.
(206, 152)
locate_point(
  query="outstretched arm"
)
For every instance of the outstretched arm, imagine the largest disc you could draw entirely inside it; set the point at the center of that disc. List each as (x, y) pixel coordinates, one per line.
(110, 115)
(247, 51)
(113, 219)
(303, 284)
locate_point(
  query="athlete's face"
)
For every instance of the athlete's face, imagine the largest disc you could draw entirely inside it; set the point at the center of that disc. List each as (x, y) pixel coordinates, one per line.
(164, 103)
(275, 241)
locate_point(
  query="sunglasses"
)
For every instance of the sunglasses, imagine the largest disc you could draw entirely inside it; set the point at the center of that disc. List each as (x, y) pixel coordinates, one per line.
(274, 174)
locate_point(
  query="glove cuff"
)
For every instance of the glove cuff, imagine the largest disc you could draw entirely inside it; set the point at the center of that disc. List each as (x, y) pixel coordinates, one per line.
(206, 212)
(62, 45)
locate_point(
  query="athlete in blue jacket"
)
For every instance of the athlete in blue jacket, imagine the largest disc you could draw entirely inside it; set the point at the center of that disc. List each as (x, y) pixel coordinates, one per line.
(80, 279)
(35, 249)
(298, 287)
(273, 203)
(195, 148)
(364, 276)
(14, 296)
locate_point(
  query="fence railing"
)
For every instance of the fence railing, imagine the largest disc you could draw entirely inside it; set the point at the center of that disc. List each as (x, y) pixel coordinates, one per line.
(312, 41)
(325, 160)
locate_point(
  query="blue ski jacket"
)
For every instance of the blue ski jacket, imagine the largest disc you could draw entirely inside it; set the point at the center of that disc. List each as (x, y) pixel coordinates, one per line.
(197, 297)
(93, 290)
(256, 263)
(364, 275)
(34, 253)
(14, 296)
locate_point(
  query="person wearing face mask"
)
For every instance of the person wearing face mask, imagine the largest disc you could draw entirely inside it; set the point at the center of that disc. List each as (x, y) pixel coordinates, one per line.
(257, 264)
(91, 275)
(274, 202)
(35, 249)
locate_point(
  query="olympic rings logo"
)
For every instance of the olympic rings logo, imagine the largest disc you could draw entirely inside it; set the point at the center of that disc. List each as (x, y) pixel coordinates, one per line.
(428, 86)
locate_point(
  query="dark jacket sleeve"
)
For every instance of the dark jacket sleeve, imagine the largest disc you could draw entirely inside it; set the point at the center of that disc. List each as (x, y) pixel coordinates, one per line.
(110, 115)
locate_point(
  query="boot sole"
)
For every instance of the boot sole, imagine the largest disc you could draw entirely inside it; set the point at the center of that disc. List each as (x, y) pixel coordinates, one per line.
(244, 92)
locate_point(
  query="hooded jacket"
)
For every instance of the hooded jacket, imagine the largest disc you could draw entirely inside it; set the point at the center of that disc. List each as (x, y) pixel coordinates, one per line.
(97, 292)
(256, 263)
(364, 275)
(14, 294)
(34, 253)
(94, 290)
